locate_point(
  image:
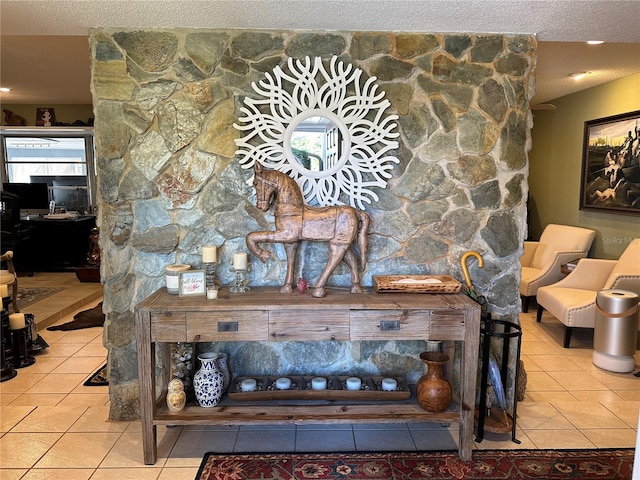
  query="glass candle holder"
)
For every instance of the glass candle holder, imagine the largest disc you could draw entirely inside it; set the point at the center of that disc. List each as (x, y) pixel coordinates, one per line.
(240, 280)
(210, 275)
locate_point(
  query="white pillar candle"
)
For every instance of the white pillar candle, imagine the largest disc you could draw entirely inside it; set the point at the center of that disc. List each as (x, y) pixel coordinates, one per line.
(389, 384)
(4, 290)
(248, 385)
(319, 383)
(283, 383)
(16, 321)
(354, 383)
(209, 254)
(240, 261)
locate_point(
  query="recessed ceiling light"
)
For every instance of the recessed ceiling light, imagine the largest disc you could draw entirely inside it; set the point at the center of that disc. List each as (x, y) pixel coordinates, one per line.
(579, 75)
(595, 42)
(5, 89)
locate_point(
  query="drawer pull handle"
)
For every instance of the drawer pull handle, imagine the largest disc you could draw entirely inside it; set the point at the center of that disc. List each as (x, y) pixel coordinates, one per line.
(227, 326)
(389, 325)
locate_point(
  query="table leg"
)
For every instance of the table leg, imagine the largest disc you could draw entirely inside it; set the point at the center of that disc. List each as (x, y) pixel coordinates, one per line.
(146, 369)
(468, 373)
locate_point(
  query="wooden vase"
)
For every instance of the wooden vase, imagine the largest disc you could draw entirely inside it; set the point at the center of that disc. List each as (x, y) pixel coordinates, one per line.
(433, 390)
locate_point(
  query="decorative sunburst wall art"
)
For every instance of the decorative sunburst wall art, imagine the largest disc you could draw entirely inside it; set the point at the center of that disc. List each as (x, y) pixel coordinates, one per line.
(349, 145)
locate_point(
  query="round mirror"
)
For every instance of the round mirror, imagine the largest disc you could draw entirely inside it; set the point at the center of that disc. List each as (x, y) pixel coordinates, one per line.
(316, 143)
(323, 126)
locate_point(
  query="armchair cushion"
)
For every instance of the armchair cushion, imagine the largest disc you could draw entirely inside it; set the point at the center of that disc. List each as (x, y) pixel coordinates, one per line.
(572, 300)
(6, 277)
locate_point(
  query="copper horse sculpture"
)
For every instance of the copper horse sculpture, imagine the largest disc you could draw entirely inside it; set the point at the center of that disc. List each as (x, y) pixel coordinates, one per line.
(340, 226)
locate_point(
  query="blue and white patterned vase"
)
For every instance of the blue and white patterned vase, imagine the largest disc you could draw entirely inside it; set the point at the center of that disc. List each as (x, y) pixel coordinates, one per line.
(223, 365)
(208, 382)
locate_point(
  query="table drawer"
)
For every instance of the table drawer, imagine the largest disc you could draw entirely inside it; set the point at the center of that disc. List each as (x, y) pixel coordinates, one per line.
(447, 325)
(312, 325)
(392, 324)
(168, 327)
(227, 326)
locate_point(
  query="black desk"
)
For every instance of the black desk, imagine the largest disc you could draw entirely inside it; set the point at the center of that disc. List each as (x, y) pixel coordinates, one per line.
(54, 245)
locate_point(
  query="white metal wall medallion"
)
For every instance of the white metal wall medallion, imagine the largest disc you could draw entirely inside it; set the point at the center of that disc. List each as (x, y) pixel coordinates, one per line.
(325, 129)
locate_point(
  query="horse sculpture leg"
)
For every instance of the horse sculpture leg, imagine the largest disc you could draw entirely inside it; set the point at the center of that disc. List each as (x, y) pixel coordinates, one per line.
(291, 249)
(352, 261)
(336, 254)
(252, 241)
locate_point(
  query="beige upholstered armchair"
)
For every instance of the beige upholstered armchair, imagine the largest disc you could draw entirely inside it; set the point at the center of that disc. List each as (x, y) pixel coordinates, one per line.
(573, 299)
(541, 260)
(9, 277)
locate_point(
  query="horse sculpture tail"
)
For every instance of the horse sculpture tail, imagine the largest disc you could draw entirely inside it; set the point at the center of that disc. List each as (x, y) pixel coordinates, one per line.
(363, 236)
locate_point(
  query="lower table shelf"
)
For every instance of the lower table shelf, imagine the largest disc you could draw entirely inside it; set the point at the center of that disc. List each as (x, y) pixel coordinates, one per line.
(304, 412)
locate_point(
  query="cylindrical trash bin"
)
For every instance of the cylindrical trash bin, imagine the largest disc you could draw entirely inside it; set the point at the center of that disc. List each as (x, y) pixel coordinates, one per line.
(616, 330)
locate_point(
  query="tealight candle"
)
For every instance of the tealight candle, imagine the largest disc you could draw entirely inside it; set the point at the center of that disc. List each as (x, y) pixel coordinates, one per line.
(212, 293)
(209, 254)
(283, 383)
(248, 385)
(17, 321)
(319, 383)
(240, 261)
(389, 384)
(354, 383)
(4, 290)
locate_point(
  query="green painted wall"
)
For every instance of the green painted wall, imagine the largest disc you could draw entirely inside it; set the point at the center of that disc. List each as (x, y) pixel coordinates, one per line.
(555, 164)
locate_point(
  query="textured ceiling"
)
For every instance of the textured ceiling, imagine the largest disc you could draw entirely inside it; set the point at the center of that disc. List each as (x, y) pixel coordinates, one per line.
(559, 20)
(45, 49)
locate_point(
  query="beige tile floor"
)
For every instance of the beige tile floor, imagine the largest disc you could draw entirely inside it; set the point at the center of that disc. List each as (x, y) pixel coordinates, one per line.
(53, 427)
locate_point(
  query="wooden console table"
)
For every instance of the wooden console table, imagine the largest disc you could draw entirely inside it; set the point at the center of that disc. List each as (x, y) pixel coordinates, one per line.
(264, 314)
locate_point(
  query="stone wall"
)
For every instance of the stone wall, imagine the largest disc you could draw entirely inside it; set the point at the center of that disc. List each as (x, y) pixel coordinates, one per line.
(165, 102)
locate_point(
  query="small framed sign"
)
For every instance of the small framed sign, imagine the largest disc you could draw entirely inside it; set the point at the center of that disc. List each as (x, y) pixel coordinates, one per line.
(192, 283)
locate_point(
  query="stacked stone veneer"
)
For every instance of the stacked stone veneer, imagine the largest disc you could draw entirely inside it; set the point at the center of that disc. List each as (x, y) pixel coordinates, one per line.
(165, 102)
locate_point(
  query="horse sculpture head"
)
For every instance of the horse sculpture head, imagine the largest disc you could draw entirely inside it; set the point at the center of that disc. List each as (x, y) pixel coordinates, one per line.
(272, 184)
(265, 188)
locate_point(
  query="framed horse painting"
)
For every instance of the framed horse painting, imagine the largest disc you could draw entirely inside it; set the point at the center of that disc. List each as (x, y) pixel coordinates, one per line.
(611, 164)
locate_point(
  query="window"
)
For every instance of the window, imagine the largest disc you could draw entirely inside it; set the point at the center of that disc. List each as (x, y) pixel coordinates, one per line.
(62, 158)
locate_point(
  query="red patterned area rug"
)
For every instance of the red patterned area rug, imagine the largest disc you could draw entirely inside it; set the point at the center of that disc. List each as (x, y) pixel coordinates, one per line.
(606, 464)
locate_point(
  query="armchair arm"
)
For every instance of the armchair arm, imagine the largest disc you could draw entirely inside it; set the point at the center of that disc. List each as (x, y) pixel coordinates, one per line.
(589, 274)
(566, 257)
(529, 251)
(551, 272)
(7, 258)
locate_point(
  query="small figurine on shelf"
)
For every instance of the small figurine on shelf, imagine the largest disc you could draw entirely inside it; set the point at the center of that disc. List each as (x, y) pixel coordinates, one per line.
(176, 398)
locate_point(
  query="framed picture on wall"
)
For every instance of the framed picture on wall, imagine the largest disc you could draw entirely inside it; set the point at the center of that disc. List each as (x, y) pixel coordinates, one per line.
(45, 117)
(611, 164)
